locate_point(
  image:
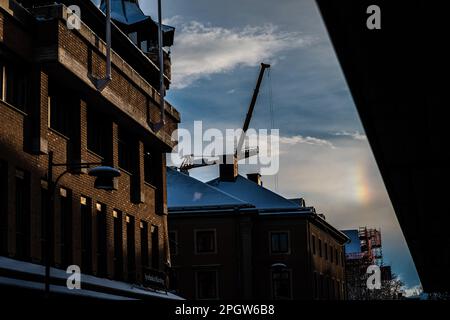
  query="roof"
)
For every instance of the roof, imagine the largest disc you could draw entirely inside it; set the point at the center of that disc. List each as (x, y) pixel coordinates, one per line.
(125, 11)
(185, 192)
(129, 14)
(249, 191)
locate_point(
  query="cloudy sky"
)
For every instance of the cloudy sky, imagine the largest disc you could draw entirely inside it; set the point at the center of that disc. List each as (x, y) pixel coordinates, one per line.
(325, 156)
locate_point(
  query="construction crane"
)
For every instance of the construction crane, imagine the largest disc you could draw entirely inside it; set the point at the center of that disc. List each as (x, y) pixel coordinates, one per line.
(238, 153)
(189, 162)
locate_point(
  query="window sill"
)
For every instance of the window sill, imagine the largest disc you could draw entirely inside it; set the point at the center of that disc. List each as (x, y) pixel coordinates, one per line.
(95, 154)
(125, 171)
(14, 108)
(205, 253)
(148, 184)
(58, 133)
(280, 253)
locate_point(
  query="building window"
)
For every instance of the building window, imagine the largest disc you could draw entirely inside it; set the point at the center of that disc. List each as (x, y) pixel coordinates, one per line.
(207, 288)
(331, 254)
(313, 241)
(23, 216)
(151, 166)
(316, 285)
(281, 285)
(127, 151)
(321, 287)
(44, 212)
(338, 290)
(2, 81)
(155, 247)
(326, 250)
(118, 245)
(173, 281)
(15, 82)
(66, 227)
(3, 207)
(320, 248)
(59, 114)
(279, 242)
(86, 235)
(101, 239)
(336, 256)
(205, 241)
(144, 243)
(173, 242)
(332, 290)
(131, 248)
(98, 133)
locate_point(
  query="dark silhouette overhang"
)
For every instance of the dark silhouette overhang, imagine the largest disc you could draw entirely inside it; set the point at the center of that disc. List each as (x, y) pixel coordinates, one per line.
(396, 77)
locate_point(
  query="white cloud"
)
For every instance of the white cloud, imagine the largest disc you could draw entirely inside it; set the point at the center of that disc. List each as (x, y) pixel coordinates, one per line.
(306, 140)
(356, 135)
(202, 50)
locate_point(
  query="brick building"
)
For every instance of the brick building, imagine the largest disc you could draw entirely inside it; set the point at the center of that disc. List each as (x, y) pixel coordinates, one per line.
(49, 102)
(235, 239)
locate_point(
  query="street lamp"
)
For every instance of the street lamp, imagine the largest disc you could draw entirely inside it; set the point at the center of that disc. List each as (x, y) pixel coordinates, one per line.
(105, 177)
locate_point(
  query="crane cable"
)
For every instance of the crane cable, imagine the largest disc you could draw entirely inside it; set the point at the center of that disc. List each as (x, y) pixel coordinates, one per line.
(272, 119)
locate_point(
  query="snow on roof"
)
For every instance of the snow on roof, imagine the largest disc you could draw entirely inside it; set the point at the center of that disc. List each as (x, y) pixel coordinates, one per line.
(253, 193)
(184, 191)
(39, 270)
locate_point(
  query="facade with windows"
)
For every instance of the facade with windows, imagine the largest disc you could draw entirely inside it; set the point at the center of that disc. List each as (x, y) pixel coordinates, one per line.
(49, 102)
(238, 240)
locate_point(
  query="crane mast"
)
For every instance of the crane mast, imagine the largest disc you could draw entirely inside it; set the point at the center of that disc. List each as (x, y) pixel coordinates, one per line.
(248, 118)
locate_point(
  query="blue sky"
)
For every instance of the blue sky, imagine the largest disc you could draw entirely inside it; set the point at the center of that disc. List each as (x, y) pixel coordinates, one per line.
(325, 157)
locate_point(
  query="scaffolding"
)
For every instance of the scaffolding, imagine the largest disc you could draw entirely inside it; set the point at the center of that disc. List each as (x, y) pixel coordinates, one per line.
(357, 262)
(370, 240)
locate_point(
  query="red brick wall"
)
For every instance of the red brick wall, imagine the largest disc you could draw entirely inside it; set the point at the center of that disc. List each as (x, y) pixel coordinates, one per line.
(14, 135)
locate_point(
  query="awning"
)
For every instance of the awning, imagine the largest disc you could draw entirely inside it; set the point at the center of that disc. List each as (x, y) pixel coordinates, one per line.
(30, 276)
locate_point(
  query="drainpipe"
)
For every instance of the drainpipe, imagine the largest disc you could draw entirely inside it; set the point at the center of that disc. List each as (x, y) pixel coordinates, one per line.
(100, 84)
(162, 90)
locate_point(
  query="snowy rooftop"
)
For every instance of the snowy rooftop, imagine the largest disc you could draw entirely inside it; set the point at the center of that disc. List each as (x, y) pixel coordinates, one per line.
(251, 192)
(184, 191)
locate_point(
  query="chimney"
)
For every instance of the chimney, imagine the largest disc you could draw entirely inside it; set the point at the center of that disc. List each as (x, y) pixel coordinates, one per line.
(256, 178)
(228, 171)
